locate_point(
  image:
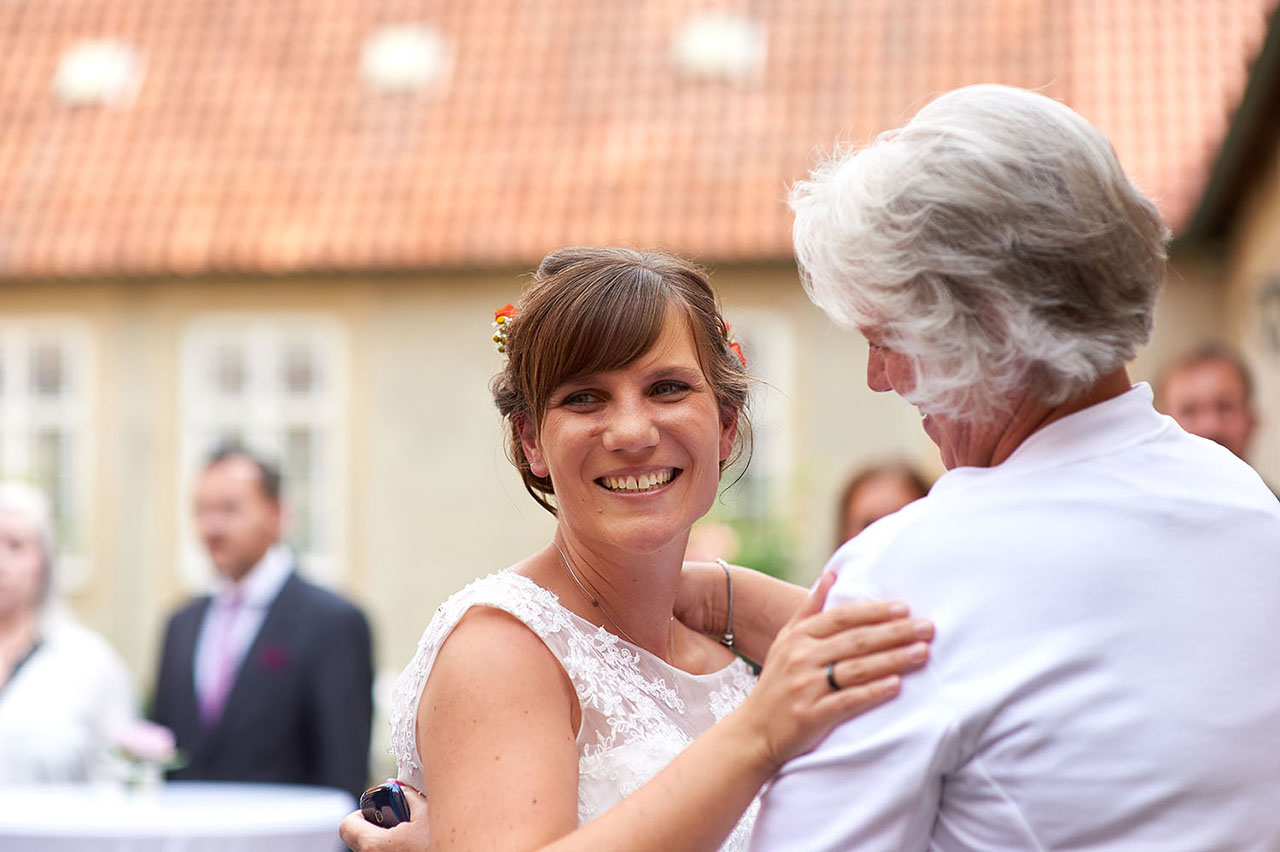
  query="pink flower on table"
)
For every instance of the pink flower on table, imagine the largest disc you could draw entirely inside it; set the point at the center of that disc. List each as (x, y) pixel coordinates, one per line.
(146, 741)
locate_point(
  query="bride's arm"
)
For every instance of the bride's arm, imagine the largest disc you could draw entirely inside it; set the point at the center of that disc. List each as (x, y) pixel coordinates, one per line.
(496, 725)
(503, 767)
(761, 605)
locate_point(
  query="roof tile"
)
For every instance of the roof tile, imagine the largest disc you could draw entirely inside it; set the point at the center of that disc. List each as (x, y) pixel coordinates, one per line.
(253, 144)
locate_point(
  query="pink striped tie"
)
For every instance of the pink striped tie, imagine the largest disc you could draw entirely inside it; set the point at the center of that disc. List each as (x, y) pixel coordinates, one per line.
(212, 702)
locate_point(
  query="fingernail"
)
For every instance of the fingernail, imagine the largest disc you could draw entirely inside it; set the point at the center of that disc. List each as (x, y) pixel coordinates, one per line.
(898, 608)
(892, 684)
(922, 628)
(918, 652)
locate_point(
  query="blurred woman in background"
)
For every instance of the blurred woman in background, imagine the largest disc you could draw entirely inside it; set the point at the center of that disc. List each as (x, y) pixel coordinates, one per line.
(874, 491)
(64, 692)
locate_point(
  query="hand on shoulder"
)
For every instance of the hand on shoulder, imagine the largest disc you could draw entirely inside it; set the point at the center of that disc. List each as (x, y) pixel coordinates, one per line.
(826, 667)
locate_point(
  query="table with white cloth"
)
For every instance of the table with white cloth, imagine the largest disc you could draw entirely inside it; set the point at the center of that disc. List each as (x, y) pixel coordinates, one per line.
(183, 816)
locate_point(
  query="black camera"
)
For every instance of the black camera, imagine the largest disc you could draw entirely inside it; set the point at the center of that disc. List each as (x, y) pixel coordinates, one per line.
(385, 805)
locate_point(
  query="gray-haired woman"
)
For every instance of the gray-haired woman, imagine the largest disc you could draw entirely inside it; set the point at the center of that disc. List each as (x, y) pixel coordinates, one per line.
(64, 692)
(1104, 585)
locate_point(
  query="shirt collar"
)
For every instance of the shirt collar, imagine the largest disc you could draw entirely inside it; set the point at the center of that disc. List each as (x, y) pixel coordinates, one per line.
(1109, 425)
(260, 586)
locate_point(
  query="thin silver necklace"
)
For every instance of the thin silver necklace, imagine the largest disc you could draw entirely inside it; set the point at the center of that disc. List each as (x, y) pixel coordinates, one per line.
(596, 603)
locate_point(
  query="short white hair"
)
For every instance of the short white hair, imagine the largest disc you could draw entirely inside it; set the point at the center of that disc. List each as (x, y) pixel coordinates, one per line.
(31, 506)
(993, 240)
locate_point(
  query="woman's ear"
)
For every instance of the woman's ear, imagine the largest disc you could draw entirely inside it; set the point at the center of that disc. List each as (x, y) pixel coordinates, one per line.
(728, 431)
(532, 452)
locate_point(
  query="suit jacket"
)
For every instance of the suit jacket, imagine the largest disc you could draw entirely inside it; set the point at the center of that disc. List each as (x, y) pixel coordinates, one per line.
(300, 708)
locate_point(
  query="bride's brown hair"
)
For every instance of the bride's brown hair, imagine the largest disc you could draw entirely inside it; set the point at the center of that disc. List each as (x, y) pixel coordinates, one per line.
(592, 310)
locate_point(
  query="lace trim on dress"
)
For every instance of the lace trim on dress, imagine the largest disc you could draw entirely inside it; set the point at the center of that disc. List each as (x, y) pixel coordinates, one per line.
(637, 712)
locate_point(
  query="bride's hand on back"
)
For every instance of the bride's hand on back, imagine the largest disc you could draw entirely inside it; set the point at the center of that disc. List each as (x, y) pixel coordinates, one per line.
(871, 644)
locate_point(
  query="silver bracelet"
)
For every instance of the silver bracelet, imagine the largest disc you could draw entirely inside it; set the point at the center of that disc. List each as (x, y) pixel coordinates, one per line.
(727, 639)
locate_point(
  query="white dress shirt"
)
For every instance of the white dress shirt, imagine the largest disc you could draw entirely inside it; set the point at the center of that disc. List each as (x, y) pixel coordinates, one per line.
(1104, 675)
(257, 590)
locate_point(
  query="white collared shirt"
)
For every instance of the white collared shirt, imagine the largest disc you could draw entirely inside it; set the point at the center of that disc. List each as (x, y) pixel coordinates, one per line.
(1107, 604)
(258, 590)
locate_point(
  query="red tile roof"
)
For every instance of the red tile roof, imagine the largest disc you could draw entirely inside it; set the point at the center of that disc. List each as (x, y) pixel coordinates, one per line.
(254, 145)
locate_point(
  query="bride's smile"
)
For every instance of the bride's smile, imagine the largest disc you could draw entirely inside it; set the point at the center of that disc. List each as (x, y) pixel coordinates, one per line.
(638, 483)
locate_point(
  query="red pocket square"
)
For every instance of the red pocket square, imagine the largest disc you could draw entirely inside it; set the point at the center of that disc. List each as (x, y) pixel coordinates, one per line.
(274, 657)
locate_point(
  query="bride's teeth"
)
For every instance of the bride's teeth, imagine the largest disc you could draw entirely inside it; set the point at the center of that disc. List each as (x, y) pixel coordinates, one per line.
(643, 482)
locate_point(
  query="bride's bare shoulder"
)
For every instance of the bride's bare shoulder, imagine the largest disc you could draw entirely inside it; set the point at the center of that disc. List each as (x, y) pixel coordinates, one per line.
(492, 662)
(496, 720)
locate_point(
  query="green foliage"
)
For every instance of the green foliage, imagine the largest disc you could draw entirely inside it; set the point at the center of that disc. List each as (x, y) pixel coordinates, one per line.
(765, 546)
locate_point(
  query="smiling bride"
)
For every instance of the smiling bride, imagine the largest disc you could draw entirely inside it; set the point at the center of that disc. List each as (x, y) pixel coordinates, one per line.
(561, 703)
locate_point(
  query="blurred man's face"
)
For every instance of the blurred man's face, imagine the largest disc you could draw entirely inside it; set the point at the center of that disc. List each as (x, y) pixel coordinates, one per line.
(1208, 399)
(235, 520)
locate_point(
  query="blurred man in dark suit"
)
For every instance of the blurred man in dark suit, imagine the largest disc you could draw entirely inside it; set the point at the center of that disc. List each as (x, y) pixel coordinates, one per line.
(270, 678)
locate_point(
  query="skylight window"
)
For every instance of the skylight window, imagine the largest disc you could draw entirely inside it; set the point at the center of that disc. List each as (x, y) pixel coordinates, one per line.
(719, 45)
(405, 58)
(98, 71)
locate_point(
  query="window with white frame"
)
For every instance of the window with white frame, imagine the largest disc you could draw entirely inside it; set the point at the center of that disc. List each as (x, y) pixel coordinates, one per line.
(755, 506)
(274, 383)
(45, 401)
(766, 343)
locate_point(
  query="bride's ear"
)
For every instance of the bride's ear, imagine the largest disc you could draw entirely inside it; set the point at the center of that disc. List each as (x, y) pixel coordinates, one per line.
(532, 451)
(728, 431)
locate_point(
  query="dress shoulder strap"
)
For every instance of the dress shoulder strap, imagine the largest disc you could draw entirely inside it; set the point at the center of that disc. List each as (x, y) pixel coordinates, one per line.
(537, 608)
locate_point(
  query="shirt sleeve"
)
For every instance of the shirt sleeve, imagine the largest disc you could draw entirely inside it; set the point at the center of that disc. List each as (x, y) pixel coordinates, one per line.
(875, 782)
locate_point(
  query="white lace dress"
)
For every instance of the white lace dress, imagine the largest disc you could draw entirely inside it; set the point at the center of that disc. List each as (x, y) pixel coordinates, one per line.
(638, 712)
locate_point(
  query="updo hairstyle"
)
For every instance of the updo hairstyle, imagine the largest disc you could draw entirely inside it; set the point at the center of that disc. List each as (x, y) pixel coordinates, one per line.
(593, 310)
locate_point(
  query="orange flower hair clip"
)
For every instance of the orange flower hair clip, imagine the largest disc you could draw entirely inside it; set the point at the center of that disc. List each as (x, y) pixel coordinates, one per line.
(501, 317)
(732, 343)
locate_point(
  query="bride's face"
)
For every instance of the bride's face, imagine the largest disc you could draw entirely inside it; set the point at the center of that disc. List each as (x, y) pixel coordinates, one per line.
(634, 453)
(21, 564)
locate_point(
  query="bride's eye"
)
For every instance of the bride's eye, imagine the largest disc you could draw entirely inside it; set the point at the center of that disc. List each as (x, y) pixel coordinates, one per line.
(579, 398)
(669, 387)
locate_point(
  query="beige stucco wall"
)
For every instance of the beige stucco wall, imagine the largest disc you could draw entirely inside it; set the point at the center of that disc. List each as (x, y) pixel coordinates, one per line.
(1190, 310)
